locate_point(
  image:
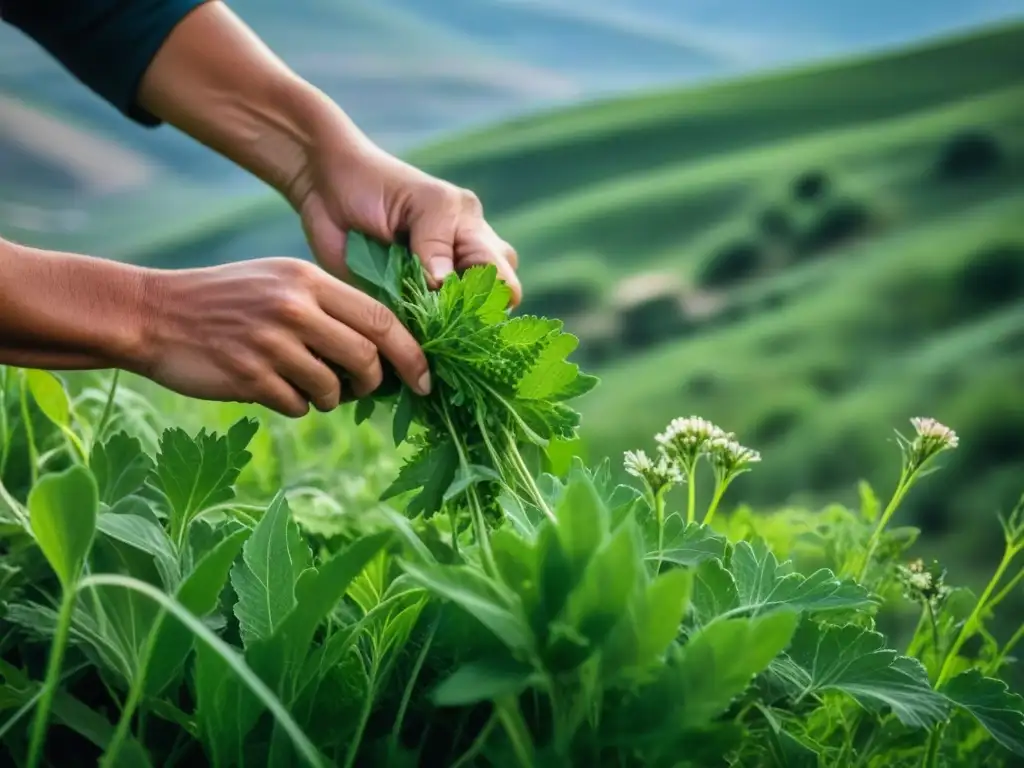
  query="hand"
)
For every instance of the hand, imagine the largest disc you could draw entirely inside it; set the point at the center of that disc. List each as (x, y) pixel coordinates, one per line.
(349, 183)
(264, 332)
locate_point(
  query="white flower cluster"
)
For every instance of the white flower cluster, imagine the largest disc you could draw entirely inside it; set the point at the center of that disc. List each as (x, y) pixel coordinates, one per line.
(932, 432)
(932, 438)
(686, 439)
(658, 474)
(728, 456)
(923, 583)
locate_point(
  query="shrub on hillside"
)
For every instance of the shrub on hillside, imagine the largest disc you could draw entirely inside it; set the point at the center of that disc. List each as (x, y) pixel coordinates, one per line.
(811, 186)
(992, 277)
(775, 224)
(651, 321)
(561, 300)
(838, 223)
(732, 263)
(968, 155)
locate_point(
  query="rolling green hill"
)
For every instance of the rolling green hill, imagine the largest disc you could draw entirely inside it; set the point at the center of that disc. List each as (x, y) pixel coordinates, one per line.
(809, 258)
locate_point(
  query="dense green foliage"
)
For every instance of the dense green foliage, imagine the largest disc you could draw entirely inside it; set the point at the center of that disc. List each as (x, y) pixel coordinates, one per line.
(174, 595)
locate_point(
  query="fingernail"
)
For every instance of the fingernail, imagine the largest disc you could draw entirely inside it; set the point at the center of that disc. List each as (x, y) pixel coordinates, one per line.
(423, 385)
(440, 267)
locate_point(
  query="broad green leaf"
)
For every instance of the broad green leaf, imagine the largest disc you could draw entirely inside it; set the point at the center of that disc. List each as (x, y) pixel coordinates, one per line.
(756, 582)
(720, 661)
(318, 592)
(685, 544)
(364, 409)
(62, 511)
(600, 600)
(999, 710)
(146, 536)
(484, 680)
(198, 473)
(785, 749)
(582, 522)
(120, 466)
(368, 261)
(855, 661)
(272, 560)
(470, 475)
(199, 594)
(51, 397)
(650, 623)
(477, 596)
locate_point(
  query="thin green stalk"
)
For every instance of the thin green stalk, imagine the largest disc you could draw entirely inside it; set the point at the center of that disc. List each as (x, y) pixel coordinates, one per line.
(515, 728)
(970, 626)
(30, 436)
(901, 489)
(364, 714)
(1010, 644)
(52, 681)
(720, 487)
(421, 657)
(478, 743)
(931, 752)
(4, 426)
(108, 407)
(659, 516)
(482, 538)
(527, 477)
(1003, 593)
(691, 493)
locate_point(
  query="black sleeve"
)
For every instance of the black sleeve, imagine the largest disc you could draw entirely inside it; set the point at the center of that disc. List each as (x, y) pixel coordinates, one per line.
(106, 44)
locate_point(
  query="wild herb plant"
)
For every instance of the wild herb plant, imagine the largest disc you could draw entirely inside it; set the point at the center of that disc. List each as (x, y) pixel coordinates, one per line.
(164, 604)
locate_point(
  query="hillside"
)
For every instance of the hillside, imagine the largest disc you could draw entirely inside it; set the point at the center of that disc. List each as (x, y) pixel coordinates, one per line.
(810, 258)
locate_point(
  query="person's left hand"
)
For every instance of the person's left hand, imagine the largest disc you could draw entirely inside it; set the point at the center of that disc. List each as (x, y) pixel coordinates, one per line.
(364, 188)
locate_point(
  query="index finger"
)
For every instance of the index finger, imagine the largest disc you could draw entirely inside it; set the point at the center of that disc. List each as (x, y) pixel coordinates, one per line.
(374, 321)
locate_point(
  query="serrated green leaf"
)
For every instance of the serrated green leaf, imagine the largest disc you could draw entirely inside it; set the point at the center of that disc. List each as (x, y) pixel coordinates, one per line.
(62, 511)
(998, 709)
(317, 593)
(404, 411)
(756, 582)
(198, 473)
(685, 544)
(432, 471)
(120, 466)
(484, 680)
(855, 661)
(720, 661)
(198, 593)
(272, 560)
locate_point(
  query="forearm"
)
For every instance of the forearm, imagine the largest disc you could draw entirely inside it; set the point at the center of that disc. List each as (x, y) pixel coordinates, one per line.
(63, 311)
(215, 80)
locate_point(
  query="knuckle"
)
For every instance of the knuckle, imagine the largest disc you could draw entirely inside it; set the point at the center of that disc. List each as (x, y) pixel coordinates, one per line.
(470, 202)
(364, 356)
(379, 319)
(290, 306)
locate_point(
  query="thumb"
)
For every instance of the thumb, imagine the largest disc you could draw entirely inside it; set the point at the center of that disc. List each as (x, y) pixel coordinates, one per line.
(433, 240)
(326, 240)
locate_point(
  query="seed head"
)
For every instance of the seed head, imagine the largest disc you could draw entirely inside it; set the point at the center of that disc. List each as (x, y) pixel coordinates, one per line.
(658, 474)
(686, 439)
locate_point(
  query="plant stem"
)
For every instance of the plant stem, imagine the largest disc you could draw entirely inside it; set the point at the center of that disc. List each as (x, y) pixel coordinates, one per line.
(659, 516)
(715, 498)
(970, 626)
(1010, 586)
(1010, 644)
(60, 640)
(527, 478)
(108, 407)
(901, 489)
(483, 540)
(478, 743)
(931, 753)
(364, 713)
(30, 437)
(515, 728)
(691, 493)
(421, 657)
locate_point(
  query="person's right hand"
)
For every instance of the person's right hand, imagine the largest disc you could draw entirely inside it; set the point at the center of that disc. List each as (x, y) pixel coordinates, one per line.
(263, 332)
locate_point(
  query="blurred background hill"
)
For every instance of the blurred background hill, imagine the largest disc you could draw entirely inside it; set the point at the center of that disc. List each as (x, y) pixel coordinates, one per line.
(802, 220)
